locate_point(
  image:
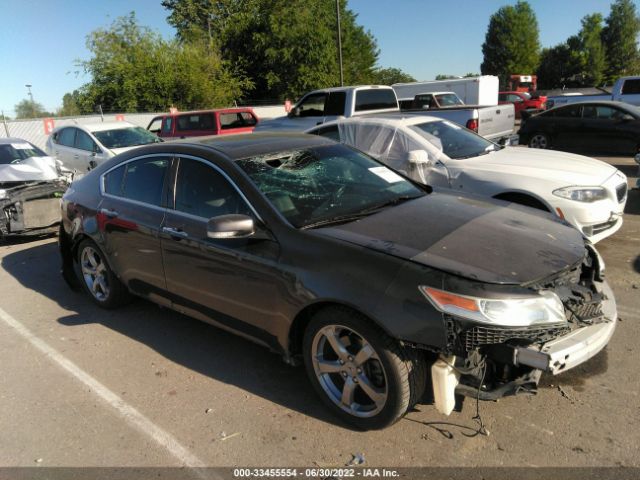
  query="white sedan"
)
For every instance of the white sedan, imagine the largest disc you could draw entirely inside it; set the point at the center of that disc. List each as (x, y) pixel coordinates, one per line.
(82, 147)
(587, 193)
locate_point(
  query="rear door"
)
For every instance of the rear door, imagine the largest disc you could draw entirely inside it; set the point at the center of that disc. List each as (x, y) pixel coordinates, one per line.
(63, 147)
(606, 130)
(85, 154)
(195, 124)
(565, 127)
(236, 122)
(130, 216)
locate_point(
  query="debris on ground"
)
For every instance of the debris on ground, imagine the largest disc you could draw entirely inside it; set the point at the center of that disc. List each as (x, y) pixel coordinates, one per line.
(224, 436)
(208, 410)
(38, 460)
(357, 459)
(565, 394)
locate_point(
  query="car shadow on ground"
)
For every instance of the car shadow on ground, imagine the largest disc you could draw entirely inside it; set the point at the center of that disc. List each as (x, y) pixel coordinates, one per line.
(191, 343)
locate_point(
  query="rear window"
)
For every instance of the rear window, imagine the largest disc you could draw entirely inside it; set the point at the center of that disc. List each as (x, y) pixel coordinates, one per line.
(375, 99)
(140, 180)
(571, 111)
(631, 87)
(236, 120)
(199, 121)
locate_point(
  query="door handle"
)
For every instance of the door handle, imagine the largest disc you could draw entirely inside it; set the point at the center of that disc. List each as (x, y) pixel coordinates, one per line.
(109, 213)
(76, 157)
(175, 232)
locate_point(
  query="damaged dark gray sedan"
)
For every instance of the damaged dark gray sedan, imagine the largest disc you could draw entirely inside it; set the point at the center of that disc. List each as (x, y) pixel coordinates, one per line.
(331, 259)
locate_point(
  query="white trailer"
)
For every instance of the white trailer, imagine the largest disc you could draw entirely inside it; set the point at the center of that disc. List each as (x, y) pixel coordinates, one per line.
(481, 90)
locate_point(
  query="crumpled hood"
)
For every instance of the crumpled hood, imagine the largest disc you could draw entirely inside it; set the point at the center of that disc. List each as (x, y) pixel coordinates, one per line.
(480, 239)
(564, 168)
(32, 169)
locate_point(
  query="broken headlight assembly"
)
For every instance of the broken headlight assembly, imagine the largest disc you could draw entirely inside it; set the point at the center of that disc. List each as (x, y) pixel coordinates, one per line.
(538, 309)
(581, 194)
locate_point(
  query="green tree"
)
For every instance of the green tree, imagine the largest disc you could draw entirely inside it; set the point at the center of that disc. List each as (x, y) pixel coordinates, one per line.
(134, 69)
(28, 109)
(284, 47)
(558, 65)
(389, 76)
(511, 44)
(592, 49)
(70, 105)
(620, 39)
(445, 76)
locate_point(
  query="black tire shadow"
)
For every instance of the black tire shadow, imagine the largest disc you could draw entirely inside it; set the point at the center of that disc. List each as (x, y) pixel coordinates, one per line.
(633, 202)
(630, 170)
(193, 344)
(636, 264)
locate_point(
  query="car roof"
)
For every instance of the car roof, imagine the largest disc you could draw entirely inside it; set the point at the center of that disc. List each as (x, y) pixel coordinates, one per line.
(606, 103)
(6, 141)
(253, 144)
(392, 118)
(99, 127)
(356, 87)
(213, 110)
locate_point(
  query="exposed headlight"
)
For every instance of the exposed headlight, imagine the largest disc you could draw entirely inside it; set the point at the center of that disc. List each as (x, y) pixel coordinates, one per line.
(543, 308)
(3, 194)
(581, 194)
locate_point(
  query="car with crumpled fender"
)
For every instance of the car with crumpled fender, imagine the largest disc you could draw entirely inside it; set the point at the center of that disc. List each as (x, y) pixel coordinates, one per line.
(331, 259)
(31, 186)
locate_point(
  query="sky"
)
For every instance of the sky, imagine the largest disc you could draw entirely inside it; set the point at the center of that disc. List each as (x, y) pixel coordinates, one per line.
(41, 40)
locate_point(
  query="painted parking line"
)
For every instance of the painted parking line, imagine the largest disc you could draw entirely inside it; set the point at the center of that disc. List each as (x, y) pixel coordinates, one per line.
(132, 416)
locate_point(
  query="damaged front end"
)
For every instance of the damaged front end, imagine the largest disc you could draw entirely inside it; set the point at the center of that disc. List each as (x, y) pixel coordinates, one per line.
(491, 361)
(30, 207)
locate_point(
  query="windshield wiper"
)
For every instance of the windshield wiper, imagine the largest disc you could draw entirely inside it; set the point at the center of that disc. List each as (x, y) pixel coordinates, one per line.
(362, 213)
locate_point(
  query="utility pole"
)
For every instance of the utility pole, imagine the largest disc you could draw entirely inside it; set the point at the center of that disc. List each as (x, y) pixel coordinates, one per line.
(339, 42)
(4, 121)
(33, 104)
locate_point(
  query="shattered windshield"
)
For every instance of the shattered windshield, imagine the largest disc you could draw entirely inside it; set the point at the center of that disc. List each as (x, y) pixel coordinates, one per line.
(126, 137)
(323, 184)
(18, 151)
(457, 142)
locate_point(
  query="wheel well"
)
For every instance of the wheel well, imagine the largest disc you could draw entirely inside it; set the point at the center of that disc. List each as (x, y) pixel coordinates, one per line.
(522, 199)
(302, 319)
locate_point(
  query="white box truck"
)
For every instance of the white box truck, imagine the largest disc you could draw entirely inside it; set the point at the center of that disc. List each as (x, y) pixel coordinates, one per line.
(481, 90)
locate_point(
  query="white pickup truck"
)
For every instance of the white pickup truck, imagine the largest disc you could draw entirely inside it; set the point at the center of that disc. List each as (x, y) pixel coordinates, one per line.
(495, 123)
(328, 104)
(626, 89)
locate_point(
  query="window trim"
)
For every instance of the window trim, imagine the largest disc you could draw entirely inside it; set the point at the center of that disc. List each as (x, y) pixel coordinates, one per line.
(216, 168)
(102, 185)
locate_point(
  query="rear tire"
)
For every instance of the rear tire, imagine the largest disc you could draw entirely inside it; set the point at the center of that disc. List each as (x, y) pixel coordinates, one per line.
(97, 278)
(540, 140)
(363, 375)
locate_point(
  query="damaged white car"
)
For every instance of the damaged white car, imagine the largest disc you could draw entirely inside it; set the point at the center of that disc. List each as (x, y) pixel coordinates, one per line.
(587, 193)
(31, 185)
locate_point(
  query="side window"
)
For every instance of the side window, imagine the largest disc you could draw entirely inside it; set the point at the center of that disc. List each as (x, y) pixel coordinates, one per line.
(571, 111)
(113, 181)
(313, 105)
(155, 125)
(329, 132)
(168, 125)
(248, 119)
(67, 137)
(631, 87)
(84, 141)
(515, 98)
(141, 180)
(335, 103)
(375, 99)
(204, 192)
(502, 97)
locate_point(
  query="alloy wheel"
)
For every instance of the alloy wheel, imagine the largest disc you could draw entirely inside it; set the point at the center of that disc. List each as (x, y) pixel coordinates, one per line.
(539, 140)
(349, 371)
(94, 272)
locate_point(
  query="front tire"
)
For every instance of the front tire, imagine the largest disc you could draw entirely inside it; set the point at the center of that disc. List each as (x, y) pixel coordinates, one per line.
(364, 376)
(539, 140)
(97, 278)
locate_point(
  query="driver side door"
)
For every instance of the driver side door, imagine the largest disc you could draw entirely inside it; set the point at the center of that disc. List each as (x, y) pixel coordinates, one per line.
(232, 282)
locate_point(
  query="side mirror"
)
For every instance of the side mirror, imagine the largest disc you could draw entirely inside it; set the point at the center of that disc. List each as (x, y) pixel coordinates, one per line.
(637, 158)
(230, 226)
(92, 165)
(627, 117)
(418, 157)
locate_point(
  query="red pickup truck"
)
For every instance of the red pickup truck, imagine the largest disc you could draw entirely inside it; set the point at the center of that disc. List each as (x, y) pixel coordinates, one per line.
(523, 102)
(204, 122)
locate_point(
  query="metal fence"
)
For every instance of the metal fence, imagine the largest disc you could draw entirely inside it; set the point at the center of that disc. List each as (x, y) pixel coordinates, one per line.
(33, 130)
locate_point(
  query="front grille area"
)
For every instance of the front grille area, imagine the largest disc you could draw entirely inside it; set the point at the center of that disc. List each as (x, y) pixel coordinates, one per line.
(621, 192)
(479, 336)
